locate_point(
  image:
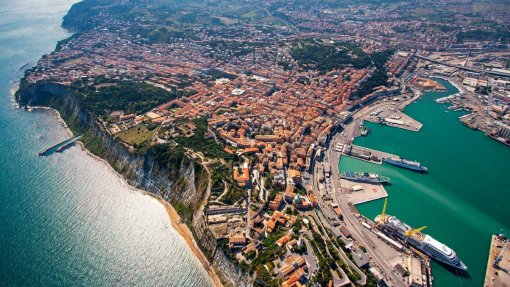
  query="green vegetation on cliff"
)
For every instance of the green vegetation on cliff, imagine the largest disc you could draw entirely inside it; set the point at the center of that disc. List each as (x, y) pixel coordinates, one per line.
(203, 141)
(378, 78)
(128, 96)
(136, 135)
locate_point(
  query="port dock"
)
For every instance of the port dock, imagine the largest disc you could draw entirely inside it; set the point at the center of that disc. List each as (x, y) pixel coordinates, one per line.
(358, 192)
(60, 146)
(498, 265)
(394, 117)
(366, 154)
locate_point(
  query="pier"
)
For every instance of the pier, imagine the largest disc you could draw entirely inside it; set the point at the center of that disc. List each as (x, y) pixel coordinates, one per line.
(358, 192)
(498, 265)
(366, 154)
(396, 119)
(60, 146)
(445, 99)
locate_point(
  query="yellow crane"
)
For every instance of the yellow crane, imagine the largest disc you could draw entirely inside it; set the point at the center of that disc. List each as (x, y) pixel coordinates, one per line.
(383, 213)
(413, 231)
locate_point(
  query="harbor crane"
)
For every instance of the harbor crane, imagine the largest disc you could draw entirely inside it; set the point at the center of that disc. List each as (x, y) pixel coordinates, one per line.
(413, 231)
(383, 213)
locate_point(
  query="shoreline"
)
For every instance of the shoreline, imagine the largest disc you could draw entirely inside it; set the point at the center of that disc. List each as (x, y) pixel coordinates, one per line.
(187, 235)
(181, 228)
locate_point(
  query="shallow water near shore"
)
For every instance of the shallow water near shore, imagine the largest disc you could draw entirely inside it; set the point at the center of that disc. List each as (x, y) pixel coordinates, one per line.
(68, 219)
(463, 199)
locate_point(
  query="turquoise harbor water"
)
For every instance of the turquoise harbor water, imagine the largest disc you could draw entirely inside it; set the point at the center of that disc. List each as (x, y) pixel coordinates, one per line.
(66, 219)
(463, 199)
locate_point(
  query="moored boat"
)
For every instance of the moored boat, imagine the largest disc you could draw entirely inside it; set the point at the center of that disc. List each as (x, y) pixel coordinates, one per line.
(407, 164)
(364, 177)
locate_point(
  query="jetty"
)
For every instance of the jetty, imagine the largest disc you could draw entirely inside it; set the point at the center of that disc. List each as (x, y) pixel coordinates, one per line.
(445, 99)
(498, 265)
(366, 154)
(60, 146)
(22, 67)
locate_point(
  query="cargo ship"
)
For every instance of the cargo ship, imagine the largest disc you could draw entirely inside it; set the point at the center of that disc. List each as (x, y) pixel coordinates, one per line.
(422, 242)
(403, 163)
(364, 177)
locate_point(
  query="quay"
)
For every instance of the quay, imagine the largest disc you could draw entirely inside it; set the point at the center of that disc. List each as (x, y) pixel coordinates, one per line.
(358, 193)
(366, 154)
(397, 120)
(444, 99)
(395, 264)
(498, 265)
(60, 146)
(391, 113)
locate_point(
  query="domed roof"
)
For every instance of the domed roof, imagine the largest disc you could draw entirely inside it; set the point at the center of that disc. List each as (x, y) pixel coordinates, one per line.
(298, 199)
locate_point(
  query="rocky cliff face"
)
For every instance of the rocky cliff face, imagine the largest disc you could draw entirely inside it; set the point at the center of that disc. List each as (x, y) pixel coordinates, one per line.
(184, 184)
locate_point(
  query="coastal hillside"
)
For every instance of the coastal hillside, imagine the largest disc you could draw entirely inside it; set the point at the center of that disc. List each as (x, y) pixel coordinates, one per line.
(237, 113)
(167, 171)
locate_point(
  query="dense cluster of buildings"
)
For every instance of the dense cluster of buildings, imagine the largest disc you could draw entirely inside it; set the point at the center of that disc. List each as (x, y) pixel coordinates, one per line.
(283, 115)
(261, 105)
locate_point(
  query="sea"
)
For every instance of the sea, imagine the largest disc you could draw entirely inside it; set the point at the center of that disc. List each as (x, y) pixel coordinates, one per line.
(465, 196)
(68, 219)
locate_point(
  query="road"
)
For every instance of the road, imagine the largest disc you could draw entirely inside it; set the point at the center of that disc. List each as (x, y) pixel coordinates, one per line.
(359, 233)
(448, 64)
(344, 279)
(325, 222)
(340, 251)
(472, 70)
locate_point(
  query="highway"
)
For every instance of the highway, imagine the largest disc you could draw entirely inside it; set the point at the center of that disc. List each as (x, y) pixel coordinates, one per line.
(448, 64)
(479, 71)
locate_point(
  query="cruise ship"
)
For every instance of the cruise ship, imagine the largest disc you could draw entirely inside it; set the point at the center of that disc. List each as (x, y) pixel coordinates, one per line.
(364, 177)
(400, 162)
(423, 242)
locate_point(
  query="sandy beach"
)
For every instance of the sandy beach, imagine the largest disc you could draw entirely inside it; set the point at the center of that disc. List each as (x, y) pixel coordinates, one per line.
(174, 217)
(186, 233)
(181, 228)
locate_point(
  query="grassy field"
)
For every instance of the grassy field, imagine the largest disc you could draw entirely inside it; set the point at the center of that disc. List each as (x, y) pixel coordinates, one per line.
(227, 20)
(136, 135)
